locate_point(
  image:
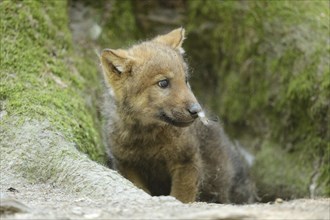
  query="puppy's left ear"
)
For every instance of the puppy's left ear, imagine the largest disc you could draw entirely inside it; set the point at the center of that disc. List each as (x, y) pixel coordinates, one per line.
(116, 64)
(114, 61)
(174, 39)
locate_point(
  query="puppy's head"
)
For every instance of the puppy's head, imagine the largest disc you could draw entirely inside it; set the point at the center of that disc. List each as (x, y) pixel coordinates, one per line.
(150, 81)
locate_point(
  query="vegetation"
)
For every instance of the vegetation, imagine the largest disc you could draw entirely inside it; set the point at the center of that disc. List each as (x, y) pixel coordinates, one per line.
(39, 79)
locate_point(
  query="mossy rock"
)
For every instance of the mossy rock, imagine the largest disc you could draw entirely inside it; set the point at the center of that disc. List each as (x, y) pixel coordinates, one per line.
(39, 78)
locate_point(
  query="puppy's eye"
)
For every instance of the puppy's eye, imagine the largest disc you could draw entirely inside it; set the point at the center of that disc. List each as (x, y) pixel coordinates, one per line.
(163, 83)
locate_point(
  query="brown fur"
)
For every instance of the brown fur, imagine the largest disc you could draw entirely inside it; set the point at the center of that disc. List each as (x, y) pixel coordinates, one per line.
(152, 135)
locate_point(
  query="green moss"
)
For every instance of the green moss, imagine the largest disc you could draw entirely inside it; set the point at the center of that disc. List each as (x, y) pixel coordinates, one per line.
(37, 71)
(264, 67)
(120, 28)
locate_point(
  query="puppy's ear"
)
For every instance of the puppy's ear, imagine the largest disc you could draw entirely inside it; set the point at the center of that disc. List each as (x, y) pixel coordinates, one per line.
(173, 39)
(115, 63)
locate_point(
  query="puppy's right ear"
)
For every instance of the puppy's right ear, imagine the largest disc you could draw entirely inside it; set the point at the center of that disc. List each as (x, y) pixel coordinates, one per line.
(174, 39)
(115, 63)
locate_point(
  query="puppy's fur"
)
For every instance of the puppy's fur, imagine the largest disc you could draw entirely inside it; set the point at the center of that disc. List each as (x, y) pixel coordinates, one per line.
(153, 134)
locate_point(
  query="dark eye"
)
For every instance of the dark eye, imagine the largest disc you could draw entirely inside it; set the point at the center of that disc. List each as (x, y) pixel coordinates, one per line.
(163, 83)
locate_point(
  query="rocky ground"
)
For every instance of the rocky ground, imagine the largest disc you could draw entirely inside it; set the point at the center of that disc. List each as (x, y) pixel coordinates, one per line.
(44, 201)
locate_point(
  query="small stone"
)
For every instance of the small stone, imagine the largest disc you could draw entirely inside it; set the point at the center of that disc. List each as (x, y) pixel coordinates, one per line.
(77, 211)
(278, 201)
(93, 215)
(10, 205)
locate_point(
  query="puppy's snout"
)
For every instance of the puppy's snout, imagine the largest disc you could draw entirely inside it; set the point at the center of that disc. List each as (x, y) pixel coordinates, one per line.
(194, 109)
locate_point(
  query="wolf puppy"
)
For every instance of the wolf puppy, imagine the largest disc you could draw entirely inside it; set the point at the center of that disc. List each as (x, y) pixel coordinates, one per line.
(152, 133)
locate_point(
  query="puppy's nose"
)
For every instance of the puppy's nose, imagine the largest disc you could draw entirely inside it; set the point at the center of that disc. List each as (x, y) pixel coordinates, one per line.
(194, 108)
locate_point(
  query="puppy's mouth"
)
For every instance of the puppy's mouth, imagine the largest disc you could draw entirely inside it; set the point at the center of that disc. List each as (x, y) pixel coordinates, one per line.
(176, 122)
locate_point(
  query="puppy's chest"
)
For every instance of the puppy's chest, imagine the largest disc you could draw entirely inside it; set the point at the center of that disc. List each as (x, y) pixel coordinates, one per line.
(149, 149)
(140, 152)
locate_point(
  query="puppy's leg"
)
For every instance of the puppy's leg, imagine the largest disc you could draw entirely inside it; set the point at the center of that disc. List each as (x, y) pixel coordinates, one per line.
(185, 180)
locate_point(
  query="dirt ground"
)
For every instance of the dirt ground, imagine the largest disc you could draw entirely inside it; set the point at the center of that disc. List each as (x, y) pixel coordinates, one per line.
(44, 201)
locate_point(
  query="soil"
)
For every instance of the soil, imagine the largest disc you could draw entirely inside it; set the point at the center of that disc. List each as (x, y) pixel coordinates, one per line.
(44, 201)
